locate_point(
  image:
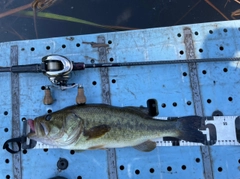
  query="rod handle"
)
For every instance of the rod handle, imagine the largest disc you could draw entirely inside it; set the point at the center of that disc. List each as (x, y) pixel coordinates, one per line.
(78, 66)
(27, 68)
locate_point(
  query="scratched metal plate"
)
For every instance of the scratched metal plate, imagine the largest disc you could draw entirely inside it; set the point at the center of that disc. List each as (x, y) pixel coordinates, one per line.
(169, 84)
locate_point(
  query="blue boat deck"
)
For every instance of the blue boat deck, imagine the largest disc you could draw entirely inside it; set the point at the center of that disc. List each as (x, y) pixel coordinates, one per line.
(181, 90)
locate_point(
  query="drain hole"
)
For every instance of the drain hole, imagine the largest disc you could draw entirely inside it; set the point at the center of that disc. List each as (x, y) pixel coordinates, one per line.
(181, 52)
(184, 167)
(197, 160)
(189, 103)
(225, 69)
(220, 169)
(174, 104)
(151, 170)
(209, 101)
(137, 172)
(163, 105)
(121, 167)
(221, 48)
(7, 161)
(169, 168)
(72, 152)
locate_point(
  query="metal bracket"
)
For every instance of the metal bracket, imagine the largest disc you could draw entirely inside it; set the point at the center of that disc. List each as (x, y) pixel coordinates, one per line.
(111, 153)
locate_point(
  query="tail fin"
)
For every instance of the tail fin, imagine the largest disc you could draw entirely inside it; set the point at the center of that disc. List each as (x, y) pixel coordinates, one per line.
(188, 129)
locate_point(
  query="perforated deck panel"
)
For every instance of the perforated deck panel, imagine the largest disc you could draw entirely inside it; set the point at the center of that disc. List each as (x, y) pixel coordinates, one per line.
(181, 90)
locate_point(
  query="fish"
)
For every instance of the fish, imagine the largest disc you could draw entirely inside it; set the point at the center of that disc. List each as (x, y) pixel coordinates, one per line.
(101, 126)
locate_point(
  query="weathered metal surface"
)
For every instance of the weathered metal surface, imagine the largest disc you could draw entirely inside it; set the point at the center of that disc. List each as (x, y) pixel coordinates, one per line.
(16, 158)
(106, 98)
(197, 101)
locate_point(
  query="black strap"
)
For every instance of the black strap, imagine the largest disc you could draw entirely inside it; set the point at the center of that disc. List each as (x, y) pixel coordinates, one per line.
(18, 141)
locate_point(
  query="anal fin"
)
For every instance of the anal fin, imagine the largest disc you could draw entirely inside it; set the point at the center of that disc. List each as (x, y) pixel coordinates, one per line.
(146, 146)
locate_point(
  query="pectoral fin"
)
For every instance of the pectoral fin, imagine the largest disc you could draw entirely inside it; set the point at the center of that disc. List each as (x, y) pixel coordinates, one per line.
(96, 131)
(146, 146)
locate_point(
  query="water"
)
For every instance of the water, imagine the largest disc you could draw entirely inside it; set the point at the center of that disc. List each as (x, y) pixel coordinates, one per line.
(138, 14)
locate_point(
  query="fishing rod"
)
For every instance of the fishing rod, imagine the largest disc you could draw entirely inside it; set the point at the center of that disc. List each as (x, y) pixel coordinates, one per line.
(58, 68)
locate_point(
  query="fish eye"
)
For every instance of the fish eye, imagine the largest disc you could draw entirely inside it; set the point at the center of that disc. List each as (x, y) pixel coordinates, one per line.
(48, 117)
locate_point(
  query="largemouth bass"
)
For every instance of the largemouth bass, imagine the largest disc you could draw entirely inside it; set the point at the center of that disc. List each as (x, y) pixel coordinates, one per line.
(100, 126)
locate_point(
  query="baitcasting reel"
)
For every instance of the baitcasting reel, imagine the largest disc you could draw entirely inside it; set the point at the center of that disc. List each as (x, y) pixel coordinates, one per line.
(58, 69)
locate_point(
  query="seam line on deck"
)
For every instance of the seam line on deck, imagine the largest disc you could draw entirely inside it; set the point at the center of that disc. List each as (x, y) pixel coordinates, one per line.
(111, 153)
(17, 168)
(197, 101)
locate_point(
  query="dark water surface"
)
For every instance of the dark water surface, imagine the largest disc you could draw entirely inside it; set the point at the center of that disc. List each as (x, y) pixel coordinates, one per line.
(138, 14)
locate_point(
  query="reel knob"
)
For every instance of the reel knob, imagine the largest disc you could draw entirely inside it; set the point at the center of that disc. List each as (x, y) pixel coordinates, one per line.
(47, 100)
(81, 98)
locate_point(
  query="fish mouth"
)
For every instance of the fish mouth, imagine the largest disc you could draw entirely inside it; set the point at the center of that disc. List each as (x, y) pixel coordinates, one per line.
(31, 125)
(36, 127)
(32, 132)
